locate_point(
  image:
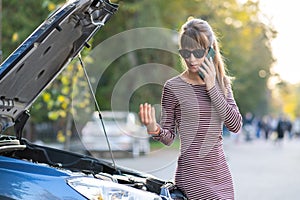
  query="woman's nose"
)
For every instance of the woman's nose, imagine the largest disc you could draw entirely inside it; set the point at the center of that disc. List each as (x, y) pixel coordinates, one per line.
(192, 57)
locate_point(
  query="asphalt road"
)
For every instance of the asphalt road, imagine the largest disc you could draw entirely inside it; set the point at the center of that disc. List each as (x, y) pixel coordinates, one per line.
(261, 170)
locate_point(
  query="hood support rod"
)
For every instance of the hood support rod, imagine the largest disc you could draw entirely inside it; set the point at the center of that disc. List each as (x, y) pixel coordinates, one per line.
(98, 110)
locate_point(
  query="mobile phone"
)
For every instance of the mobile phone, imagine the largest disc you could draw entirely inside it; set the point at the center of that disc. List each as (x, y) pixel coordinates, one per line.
(210, 54)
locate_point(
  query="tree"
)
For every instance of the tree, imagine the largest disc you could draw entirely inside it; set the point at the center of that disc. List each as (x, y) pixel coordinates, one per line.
(20, 18)
(245, 44)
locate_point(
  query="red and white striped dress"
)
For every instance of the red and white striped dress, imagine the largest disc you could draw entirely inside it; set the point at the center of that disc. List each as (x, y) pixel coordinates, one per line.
(198, 115)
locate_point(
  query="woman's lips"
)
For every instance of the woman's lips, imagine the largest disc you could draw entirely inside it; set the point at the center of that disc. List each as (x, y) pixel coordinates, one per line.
(194, 66)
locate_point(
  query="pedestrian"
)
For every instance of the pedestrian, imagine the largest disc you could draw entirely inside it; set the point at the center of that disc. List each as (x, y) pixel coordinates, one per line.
(266, 126)
(196, 109)
(296, 126)
(248, 127)
(282, 127)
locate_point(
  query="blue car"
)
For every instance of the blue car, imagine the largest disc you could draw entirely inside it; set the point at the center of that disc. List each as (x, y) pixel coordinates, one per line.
(32, 171)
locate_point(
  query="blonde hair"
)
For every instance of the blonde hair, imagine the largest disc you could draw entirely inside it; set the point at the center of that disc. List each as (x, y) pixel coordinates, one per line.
(197, 33)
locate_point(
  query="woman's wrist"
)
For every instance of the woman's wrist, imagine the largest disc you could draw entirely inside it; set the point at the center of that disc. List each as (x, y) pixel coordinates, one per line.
(154, 131)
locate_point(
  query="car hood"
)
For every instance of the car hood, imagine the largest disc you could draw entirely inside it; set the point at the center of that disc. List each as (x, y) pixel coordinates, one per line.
(23, 76)
(45, 53)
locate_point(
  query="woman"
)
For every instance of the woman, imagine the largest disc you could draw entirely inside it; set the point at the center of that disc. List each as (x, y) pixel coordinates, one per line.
(197, 109)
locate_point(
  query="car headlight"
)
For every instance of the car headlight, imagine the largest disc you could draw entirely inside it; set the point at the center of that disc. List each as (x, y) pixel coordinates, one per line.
(96, 189)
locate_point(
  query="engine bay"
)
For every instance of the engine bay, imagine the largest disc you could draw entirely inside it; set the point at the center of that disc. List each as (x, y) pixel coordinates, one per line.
(84, 165)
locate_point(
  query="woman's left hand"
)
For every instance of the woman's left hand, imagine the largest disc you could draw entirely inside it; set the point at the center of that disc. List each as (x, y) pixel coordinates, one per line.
(147, 116)
(209, 72)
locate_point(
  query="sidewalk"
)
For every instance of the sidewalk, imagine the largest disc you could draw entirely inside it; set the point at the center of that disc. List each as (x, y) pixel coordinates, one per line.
(264, 171)
(260, 169)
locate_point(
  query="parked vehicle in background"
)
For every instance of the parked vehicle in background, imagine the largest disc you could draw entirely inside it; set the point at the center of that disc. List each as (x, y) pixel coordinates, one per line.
(124, 131)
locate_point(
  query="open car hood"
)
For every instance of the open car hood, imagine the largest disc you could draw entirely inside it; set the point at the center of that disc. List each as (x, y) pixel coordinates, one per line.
(45, 53)
(37, 170)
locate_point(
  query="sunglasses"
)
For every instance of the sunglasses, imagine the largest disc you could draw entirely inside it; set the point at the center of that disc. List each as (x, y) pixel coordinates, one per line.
(198, 53)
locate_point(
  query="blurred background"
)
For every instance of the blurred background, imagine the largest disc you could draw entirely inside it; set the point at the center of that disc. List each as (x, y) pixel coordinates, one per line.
(255, 39)
(264, 83)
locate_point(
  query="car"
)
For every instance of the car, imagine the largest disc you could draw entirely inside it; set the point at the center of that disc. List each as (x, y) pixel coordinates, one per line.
(123, 129)
(34, 171)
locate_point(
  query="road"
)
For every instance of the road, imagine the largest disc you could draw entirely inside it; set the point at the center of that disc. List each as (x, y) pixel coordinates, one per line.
(261, 170)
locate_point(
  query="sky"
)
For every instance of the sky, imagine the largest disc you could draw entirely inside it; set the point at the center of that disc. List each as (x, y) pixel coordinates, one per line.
(285, 16)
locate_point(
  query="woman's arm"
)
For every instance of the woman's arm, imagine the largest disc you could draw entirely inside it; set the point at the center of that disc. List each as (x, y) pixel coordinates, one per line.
(165, 131)
(227, 108)
(167, 122)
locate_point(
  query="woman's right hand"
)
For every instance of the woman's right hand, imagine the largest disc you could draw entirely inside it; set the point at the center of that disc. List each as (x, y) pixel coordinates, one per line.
(147, 115)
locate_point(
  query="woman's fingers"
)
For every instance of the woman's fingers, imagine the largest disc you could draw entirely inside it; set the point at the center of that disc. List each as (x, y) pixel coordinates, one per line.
(141, 113)
(207, 67)
(211, 73)
(150, 119)
(153, 113)
(147, 114)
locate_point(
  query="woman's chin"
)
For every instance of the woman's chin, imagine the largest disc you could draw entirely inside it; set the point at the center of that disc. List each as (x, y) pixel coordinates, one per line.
(193, 69)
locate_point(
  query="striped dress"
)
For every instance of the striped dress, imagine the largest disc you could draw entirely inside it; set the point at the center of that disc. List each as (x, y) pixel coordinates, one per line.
(198, 116)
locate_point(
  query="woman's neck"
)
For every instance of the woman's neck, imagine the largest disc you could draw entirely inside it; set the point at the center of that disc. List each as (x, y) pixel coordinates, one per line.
(192, 78)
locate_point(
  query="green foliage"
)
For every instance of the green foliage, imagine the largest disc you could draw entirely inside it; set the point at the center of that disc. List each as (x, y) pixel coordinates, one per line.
(59, 99)
(20, 18)
(245, 43)
(244, 39)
